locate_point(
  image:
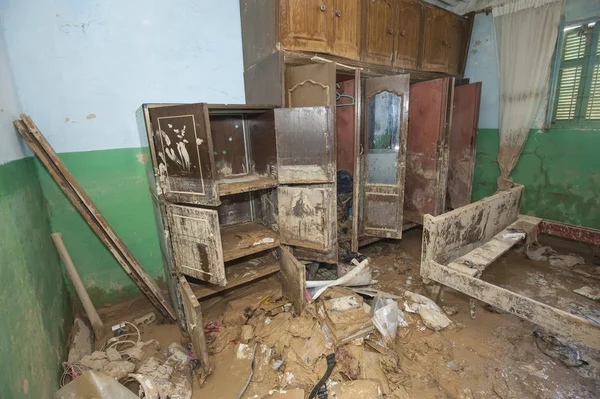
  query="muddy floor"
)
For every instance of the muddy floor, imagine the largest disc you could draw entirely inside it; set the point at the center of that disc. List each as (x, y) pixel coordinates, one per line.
(492, 356)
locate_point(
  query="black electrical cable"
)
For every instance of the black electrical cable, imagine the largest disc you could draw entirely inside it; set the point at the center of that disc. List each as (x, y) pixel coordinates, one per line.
(330, 364)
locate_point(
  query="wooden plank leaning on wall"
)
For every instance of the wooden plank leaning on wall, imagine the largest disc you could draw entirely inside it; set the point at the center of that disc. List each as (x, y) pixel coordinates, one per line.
(92, 215)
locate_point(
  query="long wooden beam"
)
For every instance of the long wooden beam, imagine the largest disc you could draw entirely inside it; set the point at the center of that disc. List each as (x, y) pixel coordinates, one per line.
(556, 320)
(92, 215)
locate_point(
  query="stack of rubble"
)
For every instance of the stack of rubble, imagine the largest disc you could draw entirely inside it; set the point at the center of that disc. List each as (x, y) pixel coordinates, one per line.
(159, 374)
(289, 352)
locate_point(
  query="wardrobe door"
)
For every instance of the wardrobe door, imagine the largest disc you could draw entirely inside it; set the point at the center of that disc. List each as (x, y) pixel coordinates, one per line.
(427, 148)
(384, 155)
(184, 153)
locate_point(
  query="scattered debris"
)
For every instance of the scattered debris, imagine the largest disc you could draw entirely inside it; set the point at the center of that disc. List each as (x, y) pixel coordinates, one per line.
(81, 341)
(386, 318)
(450, 310)
(589, 292)
(363, 389)
(94, 385)
(253, 357)
(541, 253)
(126, 358)
(566, 260)
(433, 317)
(344, 324)
(344, 279)
(554, 347)
(169, 372)
(372, 292)
(286, 394)
(247, 333)
(452, 365)
(145, 320)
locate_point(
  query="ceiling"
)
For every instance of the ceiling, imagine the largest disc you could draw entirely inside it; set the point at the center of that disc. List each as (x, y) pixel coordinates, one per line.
(465, 6)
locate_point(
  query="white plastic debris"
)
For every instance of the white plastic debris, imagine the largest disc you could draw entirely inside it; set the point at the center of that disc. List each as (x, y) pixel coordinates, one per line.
(433, 317)
(345, 279)
(386, 316)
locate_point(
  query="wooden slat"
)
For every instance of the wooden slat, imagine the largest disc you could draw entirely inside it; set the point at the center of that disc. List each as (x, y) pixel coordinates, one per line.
(194, 324)
(293, 284)
(238, 274)
(238, 240)
(556, 320)
(245, 184)
(92, 215)
(478, 259)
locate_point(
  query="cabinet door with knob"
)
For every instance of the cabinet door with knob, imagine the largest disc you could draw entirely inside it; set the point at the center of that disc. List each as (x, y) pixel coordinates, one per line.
(306, 24)
(380, 31)
(408, 39)
(346, 28)
(436, 39)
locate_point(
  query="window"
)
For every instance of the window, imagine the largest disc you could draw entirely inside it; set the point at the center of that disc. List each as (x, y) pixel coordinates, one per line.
(577, 100)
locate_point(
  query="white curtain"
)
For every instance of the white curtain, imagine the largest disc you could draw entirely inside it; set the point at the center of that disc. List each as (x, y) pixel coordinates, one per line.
(526, 32)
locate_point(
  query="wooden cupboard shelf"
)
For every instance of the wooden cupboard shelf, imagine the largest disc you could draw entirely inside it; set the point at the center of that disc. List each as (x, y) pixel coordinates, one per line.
(240, 273)
(239, 240)
(244, 184)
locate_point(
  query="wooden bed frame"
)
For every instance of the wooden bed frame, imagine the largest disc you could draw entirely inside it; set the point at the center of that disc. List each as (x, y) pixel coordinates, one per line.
(460, 244)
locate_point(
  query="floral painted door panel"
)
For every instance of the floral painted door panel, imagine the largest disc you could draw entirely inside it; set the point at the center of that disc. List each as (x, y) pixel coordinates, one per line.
(184, 150)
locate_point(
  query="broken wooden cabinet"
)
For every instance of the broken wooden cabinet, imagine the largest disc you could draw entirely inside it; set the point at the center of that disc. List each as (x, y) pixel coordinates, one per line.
(393, 33)
(306, 173)
(384, 156)
(463, 144)
(216, 173)
(427, 148)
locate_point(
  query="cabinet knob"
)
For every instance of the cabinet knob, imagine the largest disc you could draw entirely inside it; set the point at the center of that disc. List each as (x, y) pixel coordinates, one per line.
(391, 31)
(445, 42)
(323, 7)
(338, 13)
(403, 33)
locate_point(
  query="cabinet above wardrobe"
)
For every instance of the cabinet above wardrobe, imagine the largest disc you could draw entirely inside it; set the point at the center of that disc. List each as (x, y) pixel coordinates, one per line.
(406, 34)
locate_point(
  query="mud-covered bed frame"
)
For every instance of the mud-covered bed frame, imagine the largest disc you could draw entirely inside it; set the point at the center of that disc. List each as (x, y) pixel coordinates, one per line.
(460, 244)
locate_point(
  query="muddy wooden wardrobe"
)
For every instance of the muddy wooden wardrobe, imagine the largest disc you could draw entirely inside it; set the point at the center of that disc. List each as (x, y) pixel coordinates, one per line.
(230, 183)
(365, 59)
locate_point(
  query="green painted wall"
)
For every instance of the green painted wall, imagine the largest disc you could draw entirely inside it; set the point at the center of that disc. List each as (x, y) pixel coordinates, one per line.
(560, 169)
(116, 181)
(36, 313)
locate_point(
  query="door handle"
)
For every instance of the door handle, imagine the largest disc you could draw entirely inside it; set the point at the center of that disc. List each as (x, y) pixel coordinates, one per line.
(323, 7)
(338, 13)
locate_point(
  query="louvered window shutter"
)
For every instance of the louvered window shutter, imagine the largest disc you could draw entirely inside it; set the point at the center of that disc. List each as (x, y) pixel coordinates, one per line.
(578, 92)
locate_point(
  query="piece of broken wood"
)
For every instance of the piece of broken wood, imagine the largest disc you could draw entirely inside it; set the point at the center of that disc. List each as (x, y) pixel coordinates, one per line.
(86, 207)
(88, 306)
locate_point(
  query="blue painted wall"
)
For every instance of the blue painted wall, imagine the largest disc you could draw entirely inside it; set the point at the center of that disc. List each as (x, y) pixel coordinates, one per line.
(82, 68)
